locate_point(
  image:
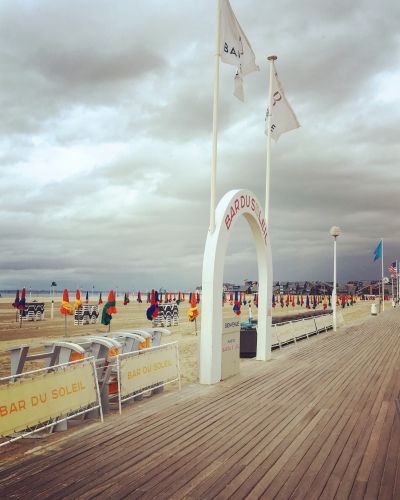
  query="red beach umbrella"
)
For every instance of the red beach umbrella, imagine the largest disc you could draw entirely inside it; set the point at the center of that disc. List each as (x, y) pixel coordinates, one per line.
(193, 311)
(78, 302)
(65, 309)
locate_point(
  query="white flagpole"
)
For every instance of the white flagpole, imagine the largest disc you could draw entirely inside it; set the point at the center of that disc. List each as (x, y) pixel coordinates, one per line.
(271, 80)
(215, 120)
(383, 286)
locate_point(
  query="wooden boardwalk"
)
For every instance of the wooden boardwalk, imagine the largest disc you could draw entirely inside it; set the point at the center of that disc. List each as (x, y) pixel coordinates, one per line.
(317, 422)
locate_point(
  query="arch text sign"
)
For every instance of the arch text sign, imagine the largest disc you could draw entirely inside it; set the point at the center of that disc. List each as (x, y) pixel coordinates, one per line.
(233, 205)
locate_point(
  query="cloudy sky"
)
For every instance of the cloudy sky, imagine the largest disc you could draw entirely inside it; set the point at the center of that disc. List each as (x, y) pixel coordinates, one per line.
(106, 140)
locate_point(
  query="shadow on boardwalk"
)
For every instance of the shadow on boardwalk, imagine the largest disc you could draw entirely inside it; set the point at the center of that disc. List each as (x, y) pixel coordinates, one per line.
(318, 421)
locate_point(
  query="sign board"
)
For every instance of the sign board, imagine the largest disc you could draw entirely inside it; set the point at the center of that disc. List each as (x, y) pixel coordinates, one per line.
(32, 401)
(142, 369)
(230, 359)
(232, 207)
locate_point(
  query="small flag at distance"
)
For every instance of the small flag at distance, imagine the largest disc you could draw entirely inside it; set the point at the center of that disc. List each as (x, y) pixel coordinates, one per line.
(393, 268)
(378, 251)
(235, 49)
(283, 118)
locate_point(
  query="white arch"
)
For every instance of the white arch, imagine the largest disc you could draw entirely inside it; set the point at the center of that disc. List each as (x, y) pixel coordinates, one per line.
(230, 208)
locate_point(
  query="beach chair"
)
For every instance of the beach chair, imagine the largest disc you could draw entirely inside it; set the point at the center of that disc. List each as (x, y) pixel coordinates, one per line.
(54, 353)
(130, 341)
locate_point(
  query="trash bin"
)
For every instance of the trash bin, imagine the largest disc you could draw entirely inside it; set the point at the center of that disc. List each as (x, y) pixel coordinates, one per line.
(373, 310)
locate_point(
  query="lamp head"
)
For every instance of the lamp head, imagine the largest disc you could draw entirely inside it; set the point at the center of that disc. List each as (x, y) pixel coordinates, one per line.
(335, 231)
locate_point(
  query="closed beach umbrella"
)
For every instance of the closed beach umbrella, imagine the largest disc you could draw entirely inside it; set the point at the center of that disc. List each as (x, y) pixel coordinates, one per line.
(108, 309)
(87, 298)
(139, 297)
(78, 302)
(325, 303)
(22, 307)
(293, 303)
(16, 301)
(65, 309)
(273, 300)
(100, 299)
(152, 311)
(193, 311)
(236, 306)
(308, 302)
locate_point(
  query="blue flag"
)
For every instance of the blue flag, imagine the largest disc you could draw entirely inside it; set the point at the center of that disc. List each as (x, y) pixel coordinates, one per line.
(378, 251)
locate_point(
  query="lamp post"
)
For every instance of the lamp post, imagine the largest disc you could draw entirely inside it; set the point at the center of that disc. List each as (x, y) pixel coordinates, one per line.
(335, 231)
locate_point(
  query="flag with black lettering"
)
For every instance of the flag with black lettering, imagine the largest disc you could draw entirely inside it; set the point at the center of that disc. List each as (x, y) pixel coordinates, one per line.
(235, 49)
(283, 118)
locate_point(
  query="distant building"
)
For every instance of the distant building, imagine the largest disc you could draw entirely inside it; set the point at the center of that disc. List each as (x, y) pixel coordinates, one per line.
(355, 287)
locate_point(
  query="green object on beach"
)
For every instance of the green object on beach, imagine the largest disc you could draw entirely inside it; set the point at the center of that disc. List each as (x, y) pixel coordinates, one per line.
(105, 317)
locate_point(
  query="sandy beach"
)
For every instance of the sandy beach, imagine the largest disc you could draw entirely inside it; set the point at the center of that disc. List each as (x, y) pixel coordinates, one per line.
(133, 315)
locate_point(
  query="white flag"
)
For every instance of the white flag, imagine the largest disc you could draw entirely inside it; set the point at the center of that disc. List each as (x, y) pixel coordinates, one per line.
(238, 86)
(235, 48)
(283, 118)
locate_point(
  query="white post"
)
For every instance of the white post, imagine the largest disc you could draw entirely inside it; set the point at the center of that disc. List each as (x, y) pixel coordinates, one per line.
(392, 292)
(335, 231)
(383, 285)
(215, 121)
(267, 181)
(334, 286)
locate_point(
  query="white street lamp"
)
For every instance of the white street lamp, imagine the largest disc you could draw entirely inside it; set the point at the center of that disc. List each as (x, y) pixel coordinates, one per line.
(335, 231)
